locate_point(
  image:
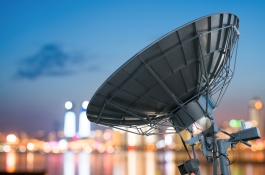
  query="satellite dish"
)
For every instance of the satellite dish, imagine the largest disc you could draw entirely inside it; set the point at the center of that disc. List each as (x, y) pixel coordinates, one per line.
(169, 83)
(172, 83)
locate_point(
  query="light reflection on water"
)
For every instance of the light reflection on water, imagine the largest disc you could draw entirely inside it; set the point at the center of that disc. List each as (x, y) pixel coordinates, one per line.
(68, 163)
(84, 164)
(30, 161)
(123, 163)
(10, 162)
(150, 163)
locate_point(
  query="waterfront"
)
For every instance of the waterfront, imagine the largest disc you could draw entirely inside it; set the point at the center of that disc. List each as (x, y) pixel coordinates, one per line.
(122, 163)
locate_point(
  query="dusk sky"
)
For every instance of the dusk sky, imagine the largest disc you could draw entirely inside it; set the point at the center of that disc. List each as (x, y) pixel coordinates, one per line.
(55, 51)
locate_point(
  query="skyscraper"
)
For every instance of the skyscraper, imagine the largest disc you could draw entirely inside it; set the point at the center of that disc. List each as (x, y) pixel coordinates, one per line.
(256, 115)
(84, 123)
(69, 120)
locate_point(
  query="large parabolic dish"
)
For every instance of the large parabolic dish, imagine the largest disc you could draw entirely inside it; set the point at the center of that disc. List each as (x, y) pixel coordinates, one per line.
(173, 82)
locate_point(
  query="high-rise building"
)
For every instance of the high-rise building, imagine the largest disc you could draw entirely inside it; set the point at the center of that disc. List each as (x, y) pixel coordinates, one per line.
(69, 120)
(84, 123)
(256, 115)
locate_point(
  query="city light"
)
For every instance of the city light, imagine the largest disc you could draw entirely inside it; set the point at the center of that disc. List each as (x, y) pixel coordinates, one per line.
(68, 105)
(46, 147)
(88, 149)
(1, 148)
(22, 148)
(108, 141)
(63, 144)
(235, 123)
(232, 123)
(254, 123)
(11, 138)
(105, 142)
(106, 136)
(110, 149)
(55, 149)
(7, 148)
(30, 146)
(253, 148)
(260, 146)
(248, 124)
(258, 105)
(101, 149)
(85, 104)
(168, 139)
(160, 144)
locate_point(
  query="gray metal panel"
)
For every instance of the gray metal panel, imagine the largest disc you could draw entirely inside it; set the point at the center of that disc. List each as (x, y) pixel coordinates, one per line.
(175, 63)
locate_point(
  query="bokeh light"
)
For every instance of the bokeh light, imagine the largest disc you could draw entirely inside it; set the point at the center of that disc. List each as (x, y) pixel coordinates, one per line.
(232, 123)
(22, 148)
(254, 123)
(110, 149)
(101, 149)
(11, 138)
(68, 105)
(63, 145)
(160, 144)
(46, 147)
(88, 149)
(258, 105)
(168, 139)
(106, 136)
(85, 104)
(7, 148)
(259, 146)
(253, 148)
(248, 124)
(1, 148)
(30, 146)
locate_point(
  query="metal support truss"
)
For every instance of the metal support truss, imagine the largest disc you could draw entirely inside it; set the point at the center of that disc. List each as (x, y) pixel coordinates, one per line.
(171, 94)
(126, 110)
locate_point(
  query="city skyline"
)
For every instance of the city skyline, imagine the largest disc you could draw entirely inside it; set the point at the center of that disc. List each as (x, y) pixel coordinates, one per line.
(58, 51)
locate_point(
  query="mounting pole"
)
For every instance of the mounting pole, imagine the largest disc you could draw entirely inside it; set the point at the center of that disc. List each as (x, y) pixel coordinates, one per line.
(214, 149)
(190, 129)
(224, 164)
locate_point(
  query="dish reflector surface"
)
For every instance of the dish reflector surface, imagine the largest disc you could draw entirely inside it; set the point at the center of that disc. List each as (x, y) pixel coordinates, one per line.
(168, 76)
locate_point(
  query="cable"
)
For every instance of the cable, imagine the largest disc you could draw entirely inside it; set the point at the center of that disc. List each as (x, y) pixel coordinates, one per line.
(184, 145)
(234, 157)
(229, 162)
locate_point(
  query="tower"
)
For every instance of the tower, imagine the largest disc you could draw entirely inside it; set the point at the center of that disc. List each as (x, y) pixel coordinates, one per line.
(256, 115)
(69, 120)
(84, 123)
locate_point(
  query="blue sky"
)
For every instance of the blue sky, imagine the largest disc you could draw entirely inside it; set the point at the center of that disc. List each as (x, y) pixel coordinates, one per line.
(54, 51)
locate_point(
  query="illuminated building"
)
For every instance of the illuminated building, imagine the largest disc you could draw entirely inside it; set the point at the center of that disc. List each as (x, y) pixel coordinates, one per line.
(69, 120)
(11, 138)
(256, 115)
(133, 140)
(150, 142)
(84, 123)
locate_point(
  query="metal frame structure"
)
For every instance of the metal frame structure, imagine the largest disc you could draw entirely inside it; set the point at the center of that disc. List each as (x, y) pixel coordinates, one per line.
(213, 86)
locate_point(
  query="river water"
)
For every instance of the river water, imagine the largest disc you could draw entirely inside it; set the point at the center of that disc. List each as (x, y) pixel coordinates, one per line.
(122, 163)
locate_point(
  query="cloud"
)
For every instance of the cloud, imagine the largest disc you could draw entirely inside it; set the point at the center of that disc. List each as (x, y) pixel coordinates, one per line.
(51, 60)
